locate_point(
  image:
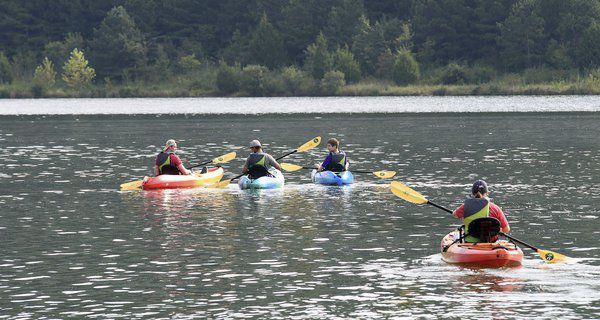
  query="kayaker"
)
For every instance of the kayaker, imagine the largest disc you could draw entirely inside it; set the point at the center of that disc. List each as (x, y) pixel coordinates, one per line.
(258, 163)
(480, 206)
(336, 160)
(167, 162)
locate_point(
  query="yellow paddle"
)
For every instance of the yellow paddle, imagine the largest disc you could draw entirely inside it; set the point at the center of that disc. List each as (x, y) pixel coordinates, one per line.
(222, 159)
(410, 195)
(305, 147)
(379, 174)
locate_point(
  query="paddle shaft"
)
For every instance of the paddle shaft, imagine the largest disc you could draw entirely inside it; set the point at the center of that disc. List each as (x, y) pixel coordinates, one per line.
(199, 165)
(519, 242)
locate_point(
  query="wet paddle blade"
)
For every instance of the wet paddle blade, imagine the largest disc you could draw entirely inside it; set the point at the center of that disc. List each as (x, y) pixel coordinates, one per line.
(552, 257)
(290, 167)
(220, 185)
(384, 174)
(132, 185)
(406, 193)
(224, 158)
(310, 144)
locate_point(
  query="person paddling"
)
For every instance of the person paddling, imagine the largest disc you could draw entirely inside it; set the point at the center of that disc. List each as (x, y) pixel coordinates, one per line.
(480, 206)
(167, 162)
(336, 160)
(258, 163)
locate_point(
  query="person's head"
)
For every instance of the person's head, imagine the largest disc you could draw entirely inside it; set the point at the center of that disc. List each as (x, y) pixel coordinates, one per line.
(333, 145)
(170, 146)
(255, 146)
(480, 189)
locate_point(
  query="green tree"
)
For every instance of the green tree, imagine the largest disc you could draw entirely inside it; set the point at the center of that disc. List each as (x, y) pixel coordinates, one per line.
(343, 22)
(368, 44)
(189, 64)
(228, 78)
(589, 50)
(5, 74)
(58, 51)
(385, 65)
(253, 79)
(237, 49)
(522, 36)
(76, 72)
(406, 68)
(318, 58)
(332, 82)
(343, 60)
(297, 81)
(266, 45)
(118, 45)
(45, 76)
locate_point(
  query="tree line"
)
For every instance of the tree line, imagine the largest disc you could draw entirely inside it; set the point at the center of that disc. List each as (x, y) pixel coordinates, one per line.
(291, 46)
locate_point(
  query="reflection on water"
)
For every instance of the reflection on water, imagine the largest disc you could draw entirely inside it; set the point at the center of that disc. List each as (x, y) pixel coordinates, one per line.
(74, 246)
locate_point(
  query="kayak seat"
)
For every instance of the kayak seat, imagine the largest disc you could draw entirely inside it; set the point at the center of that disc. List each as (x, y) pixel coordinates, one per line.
(484, 229)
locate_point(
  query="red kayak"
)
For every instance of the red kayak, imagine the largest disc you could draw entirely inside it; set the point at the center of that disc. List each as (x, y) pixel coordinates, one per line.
(498, 254)
(183, 181)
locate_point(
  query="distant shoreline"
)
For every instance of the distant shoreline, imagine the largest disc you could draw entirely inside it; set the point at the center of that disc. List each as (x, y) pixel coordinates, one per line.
(584, 86)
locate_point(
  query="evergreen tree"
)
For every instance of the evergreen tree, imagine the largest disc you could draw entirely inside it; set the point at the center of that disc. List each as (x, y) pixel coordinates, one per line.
(118, 45)
(76, 72)
(406, 68)
(343, 60)
(367, 45)
(266, 45)
(45, 76)
(318, 58)
(5, 75)
(589, 49)
(343, 22)
(522, 36)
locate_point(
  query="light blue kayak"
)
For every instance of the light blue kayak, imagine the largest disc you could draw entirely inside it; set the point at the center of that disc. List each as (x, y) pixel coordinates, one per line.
(266, 182)
(331, 178)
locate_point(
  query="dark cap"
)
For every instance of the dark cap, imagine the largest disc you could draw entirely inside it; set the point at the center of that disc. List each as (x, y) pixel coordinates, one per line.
(480, 186)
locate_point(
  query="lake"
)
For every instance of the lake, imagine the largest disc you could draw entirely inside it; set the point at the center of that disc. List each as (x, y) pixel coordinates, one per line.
(74, 246)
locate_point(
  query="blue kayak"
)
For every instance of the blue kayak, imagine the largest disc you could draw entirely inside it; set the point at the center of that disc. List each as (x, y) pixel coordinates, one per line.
(276, 181)
(331, 178)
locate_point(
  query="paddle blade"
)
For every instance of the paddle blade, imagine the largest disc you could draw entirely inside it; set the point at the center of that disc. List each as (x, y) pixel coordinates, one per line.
(552, 257)
(224, 158)
(384, 174)
(132, 185)
(309, 145)
(220, 185)
(290, 167)
(406, 193)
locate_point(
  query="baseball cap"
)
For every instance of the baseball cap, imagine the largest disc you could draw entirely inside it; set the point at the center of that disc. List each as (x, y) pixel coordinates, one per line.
(480, 186)
(170, 143)
(255, 143)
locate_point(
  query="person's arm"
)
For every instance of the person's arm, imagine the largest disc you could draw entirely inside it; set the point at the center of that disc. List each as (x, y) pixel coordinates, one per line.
(274, 162)
(459, 212)
(156, 172)
(177, 162)
(183, 170)
(325, 163)
(347, 165)
(497, 213)
(245, 168)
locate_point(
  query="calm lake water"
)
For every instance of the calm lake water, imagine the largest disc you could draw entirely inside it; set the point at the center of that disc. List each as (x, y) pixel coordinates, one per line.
(73, 246)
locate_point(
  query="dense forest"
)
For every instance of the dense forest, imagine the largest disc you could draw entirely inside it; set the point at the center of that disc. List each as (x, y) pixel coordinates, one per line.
(296, 47)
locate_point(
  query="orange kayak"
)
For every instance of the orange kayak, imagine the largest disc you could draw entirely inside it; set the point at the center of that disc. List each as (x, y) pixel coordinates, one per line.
(180, 181)
(498, 254)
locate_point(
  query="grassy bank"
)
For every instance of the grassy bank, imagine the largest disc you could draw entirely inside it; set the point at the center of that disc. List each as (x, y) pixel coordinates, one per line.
(204, 85)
